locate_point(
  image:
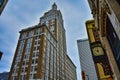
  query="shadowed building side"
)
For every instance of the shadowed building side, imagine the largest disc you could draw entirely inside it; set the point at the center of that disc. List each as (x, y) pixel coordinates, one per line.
(1, 53)
(2, 5)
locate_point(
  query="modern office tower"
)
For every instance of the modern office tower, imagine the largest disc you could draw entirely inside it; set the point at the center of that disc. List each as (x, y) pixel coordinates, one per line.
(41, 50)
(88, 70)
(107, 19)
(2, 5)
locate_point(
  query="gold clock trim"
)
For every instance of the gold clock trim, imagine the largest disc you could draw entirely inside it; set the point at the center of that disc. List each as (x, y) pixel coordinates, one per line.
(98, 51)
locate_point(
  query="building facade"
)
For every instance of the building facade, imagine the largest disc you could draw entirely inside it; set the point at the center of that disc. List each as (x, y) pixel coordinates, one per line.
(70, 69)
(88, 70)
(1, 53)
(100, 58)
(41, 51)
(107, 20)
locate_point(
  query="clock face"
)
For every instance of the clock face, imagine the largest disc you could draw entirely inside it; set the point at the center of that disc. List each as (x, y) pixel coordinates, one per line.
(98, 51)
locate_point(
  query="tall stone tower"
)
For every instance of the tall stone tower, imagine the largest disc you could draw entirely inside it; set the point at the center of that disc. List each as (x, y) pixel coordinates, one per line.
(41, 51)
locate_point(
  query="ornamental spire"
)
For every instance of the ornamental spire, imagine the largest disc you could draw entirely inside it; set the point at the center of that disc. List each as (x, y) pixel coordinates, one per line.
(54, 6)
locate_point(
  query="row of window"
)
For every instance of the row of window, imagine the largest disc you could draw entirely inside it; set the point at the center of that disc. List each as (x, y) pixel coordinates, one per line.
(18, 58)
(35, 55)
(50, 59)
(47, 19)
(31, 33)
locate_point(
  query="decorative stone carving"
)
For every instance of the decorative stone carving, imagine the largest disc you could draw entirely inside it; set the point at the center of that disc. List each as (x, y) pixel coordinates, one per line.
(106, 7)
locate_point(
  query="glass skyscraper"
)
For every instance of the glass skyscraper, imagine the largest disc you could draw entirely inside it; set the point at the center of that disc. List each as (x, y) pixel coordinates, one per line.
(88, 70)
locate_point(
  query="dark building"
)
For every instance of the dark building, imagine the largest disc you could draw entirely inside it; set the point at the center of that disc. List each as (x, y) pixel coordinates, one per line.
(2, 5)
(0, 55)
(4, 76)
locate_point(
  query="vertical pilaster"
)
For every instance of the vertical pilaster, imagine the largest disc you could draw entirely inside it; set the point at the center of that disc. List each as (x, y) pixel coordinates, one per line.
(30, 59)
(11, 70)
(22, 57)
(40, 57)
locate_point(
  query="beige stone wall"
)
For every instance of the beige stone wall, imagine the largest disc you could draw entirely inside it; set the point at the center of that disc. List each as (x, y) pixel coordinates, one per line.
(116, 73)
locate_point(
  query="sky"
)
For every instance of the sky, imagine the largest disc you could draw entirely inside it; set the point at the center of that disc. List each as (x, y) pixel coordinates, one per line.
(20, 14)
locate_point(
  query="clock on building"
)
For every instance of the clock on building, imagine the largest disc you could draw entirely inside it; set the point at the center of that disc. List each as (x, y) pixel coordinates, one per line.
(97, 49)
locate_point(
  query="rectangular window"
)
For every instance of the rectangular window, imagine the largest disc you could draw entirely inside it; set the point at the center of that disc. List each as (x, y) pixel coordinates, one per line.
(31, 33)
(19, 52)
(22, 70)
(34, 48)
(39, 31)
(52, 28)
(23, 63)
(27, 56)
(37, 54)
(26, 62)
(23, 36)
(38, 41)
(34, 76)
(31, 68)
(33, 55)
(26, 69)
(32, 61)
(18, 58)
(21, 77)
(14, 78)
(35, 69)
(24, 77)
(38, 47)
(30, 76)
(36, 61)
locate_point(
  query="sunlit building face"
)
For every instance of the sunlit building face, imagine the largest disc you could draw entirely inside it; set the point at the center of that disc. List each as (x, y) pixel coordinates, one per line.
(41, 51)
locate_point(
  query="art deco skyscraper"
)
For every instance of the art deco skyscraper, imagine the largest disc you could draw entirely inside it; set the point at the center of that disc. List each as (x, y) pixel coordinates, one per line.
(41, 51)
